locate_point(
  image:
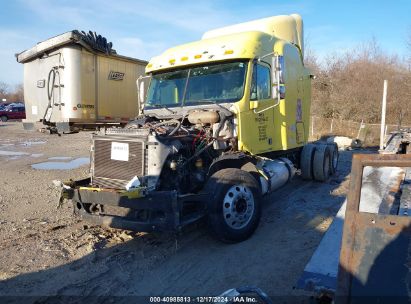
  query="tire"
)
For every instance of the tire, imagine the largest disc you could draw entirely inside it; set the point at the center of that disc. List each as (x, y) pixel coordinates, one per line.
(322, 163)
(4, 118)
(306, 161)
(334, 158)
(234, 205)
(356, 144)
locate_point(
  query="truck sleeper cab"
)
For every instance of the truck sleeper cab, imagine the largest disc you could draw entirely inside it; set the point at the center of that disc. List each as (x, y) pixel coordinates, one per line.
(225, 121)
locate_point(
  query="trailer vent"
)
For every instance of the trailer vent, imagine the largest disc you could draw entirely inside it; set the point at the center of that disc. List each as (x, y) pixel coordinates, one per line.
(111, 173)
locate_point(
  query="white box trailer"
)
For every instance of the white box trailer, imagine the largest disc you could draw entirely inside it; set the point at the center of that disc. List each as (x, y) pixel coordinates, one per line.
(78, 79)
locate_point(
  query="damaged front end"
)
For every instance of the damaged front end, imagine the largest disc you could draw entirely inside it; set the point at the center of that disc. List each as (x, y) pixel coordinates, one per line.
(135, 209)
(149, 175)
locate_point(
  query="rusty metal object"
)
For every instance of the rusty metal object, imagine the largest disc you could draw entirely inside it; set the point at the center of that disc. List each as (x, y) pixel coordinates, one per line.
(375, 254)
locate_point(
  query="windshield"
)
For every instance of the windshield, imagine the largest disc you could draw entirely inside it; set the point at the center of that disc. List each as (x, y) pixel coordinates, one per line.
(223, 82)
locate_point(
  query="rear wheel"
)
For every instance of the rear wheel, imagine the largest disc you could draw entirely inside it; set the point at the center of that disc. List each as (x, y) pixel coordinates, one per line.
(322, 163)
(234, 207)
(306, 161)
(3, 118)
(334, 158)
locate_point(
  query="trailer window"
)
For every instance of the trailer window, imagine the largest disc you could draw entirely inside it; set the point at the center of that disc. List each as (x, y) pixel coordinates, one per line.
(261, 83)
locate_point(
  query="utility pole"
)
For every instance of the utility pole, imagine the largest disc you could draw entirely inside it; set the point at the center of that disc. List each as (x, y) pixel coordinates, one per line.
(383, 111)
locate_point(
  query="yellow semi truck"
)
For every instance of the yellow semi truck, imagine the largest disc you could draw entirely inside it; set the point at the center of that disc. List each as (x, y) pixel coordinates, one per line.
(225, 121)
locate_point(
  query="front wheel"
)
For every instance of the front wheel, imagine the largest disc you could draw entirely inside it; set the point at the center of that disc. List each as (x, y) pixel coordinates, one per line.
(3, 118)
(234, 206)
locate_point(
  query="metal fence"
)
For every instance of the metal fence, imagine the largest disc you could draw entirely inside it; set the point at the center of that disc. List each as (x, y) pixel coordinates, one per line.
(368, 133)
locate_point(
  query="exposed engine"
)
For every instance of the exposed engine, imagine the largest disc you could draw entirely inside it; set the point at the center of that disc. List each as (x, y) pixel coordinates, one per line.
(203, 135)
(180, 151)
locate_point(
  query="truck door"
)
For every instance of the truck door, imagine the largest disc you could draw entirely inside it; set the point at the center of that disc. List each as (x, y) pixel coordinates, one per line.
(257, 124)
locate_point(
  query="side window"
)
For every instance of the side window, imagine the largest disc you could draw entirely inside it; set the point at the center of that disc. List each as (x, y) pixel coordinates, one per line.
(261, 83)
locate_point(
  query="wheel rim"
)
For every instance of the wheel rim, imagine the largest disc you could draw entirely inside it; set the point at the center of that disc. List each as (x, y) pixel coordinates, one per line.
(238, 206)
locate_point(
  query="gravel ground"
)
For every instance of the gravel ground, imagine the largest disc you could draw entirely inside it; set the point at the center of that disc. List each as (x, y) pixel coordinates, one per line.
(46, 251)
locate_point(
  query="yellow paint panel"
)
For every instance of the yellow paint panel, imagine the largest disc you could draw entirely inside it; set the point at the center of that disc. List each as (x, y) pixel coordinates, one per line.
(282, 127)
(241, 45)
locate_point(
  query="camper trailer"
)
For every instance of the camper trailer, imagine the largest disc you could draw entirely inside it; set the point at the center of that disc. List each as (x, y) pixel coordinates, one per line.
(77, 79)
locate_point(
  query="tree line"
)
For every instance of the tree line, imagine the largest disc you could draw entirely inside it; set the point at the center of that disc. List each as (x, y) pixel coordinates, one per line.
(349, 85)
(11, 93)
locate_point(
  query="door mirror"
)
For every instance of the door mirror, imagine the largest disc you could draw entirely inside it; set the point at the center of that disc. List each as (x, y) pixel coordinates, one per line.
(277, 75)
(142, 85)
(141, 93)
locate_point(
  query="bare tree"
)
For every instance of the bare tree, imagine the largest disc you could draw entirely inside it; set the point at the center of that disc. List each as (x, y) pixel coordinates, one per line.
(17, 94)
(11, 94)
(4, 89)
(349, 85)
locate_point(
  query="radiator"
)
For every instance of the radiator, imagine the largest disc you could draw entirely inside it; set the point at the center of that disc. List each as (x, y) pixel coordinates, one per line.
(109, 171)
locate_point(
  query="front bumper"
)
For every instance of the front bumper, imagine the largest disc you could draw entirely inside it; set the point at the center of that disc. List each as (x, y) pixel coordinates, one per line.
(135, 210)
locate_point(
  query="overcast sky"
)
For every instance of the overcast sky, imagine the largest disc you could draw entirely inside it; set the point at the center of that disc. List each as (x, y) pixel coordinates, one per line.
(143, 29)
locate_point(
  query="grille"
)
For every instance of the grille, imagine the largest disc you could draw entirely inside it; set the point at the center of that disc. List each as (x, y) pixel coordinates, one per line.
(109, 173)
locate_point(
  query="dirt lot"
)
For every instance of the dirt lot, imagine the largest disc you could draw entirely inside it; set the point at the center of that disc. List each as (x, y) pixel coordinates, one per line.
(45, 251)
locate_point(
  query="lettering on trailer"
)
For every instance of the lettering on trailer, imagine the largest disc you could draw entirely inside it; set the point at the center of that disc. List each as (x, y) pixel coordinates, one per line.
(85, 106)
(115, 75)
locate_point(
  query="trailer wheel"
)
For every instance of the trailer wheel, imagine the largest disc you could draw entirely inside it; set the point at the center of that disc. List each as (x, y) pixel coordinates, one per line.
(3, 118)
(234, 206)
(306, 161)
(334, 158)
(322, 163)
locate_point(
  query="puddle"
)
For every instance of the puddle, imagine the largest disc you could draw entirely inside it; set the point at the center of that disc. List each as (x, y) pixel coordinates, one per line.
(12, 153)
(60, 158)
(56, 165)
(33, 143)
(17, 155)
(37, 155)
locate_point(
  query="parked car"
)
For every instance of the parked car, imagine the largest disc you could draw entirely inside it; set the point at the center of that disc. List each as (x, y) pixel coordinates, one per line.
(13, 112)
